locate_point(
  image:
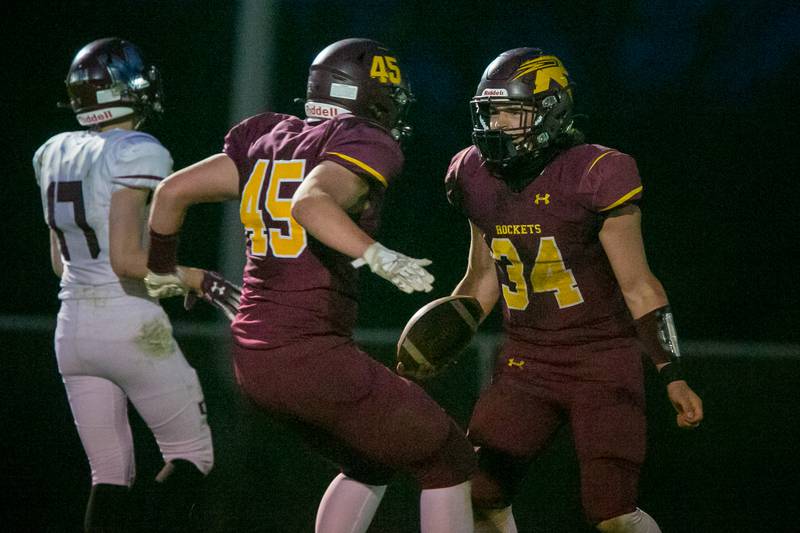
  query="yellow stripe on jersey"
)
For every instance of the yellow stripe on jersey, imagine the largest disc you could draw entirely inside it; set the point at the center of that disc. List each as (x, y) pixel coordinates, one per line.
(374, 173)
(625, 198)
(598, 158)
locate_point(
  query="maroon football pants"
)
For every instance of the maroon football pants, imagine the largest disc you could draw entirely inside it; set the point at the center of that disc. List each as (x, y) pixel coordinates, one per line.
(596, 388)
(357, 412)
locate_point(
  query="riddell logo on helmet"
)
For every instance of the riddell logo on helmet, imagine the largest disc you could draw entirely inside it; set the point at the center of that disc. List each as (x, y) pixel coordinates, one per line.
(93, 118)
(318, 110)
(90, 118)
(494, 92)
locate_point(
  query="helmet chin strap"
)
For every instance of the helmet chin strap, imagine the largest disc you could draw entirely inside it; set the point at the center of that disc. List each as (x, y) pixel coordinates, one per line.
(523, 170)
(528, 164)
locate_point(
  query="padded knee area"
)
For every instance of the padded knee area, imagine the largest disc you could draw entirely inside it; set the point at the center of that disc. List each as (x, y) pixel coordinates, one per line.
(609, 488)
(451, 464)
(497, 479)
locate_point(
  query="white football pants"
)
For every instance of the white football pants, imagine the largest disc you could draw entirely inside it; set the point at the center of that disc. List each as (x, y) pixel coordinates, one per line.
(110, 350)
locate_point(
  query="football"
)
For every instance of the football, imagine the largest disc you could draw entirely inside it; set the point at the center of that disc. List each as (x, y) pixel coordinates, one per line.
(438, 333)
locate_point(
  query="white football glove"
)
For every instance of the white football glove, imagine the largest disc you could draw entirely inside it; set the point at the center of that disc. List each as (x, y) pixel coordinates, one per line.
(405, 272)
(164, 285)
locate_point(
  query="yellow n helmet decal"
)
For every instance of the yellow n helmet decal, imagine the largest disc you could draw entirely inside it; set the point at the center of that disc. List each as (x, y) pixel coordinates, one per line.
(547, 69)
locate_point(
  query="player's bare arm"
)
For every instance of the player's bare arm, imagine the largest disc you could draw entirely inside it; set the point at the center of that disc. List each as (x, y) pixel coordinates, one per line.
(55, 255)
(321, 205)
(214, 179)
(128, 256)
(480, 280)
(621, 236)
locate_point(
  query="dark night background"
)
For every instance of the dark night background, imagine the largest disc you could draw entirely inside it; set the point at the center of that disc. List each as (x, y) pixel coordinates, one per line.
(704, 95)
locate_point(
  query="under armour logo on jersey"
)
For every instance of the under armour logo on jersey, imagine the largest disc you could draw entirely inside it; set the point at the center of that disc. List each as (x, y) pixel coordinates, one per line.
(540, 198)
(514, 362)
(218, 289)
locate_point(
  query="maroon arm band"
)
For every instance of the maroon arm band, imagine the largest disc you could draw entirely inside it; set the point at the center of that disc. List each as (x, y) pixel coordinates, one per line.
(656, 332)
(163, 255)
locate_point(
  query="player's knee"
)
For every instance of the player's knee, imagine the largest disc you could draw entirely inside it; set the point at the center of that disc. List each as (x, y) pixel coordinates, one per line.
(488, 494)
(451, 464)
(636, 522)
(609, 488)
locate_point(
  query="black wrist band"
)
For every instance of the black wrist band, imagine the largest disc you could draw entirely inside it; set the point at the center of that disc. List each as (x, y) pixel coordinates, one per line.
(670, 372)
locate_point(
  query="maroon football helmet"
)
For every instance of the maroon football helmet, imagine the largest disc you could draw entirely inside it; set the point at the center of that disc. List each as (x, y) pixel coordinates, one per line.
(108, 80)
(538, 86)
(362, 77)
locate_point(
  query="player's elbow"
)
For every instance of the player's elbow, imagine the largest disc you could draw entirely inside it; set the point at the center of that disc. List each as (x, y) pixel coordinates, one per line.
(644, 296)
(166, 192)
(172, 193)
(488, 296)
(120, 266)
(482, 286)
(127, 263)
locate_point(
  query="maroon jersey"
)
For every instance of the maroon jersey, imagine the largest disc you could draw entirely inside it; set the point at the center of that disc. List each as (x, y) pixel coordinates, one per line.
(295, 288)
(557, 285)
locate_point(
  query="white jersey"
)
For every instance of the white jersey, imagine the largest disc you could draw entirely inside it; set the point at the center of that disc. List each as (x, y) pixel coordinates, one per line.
(114, 343)
(77, 173)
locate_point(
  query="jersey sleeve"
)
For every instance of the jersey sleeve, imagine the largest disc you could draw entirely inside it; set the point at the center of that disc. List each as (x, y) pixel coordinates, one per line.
(614, 181)
(235, 144)
(37, 164)
(137, 161)
(452, 184)
(241, 137)
(365, 150)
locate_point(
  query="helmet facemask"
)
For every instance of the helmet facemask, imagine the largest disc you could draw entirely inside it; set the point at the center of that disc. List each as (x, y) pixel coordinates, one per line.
(535, 87)
(395, 114)
(499, 146)
(542, 121)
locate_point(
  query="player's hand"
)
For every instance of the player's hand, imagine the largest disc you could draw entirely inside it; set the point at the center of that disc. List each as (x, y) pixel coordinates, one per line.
(216, 291)
(407, 273)
(165, 285)
(687, 404)
(421, 373)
